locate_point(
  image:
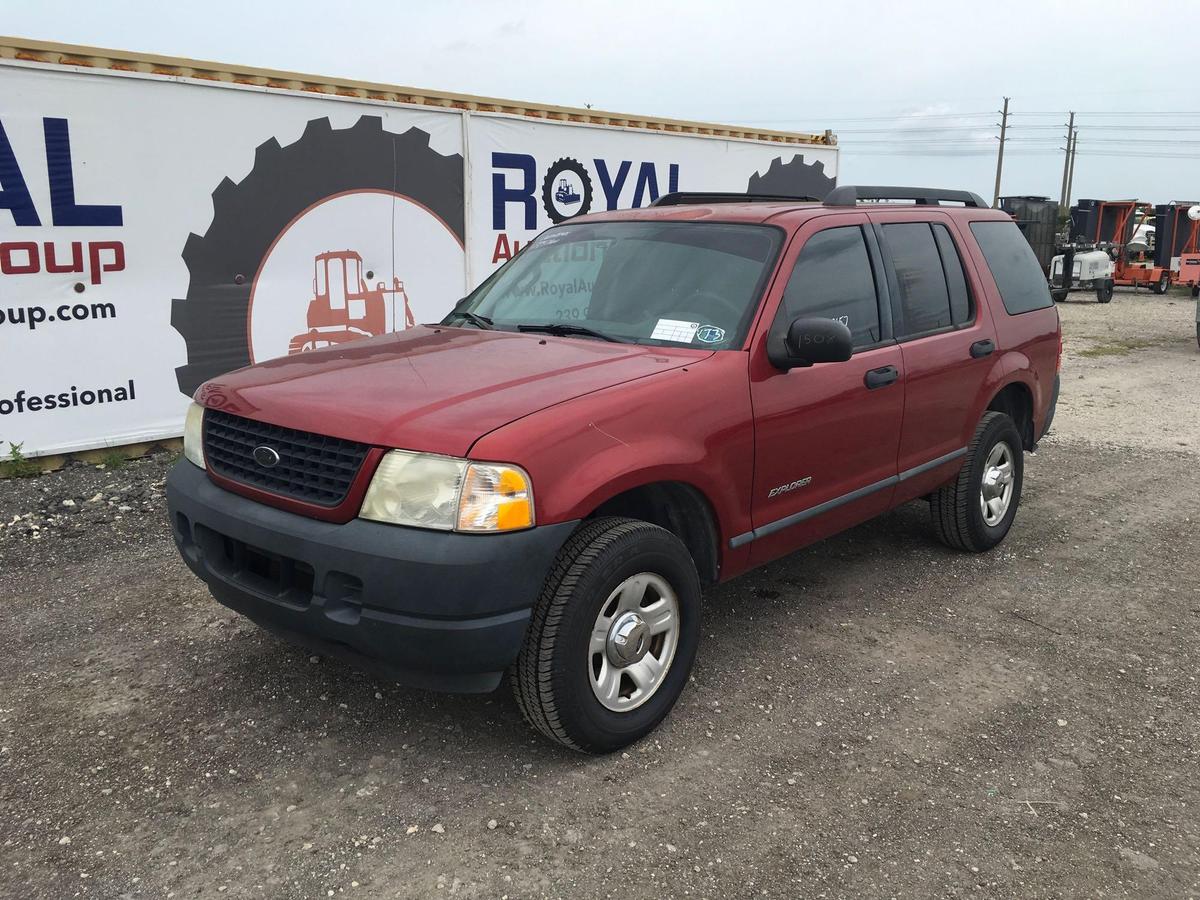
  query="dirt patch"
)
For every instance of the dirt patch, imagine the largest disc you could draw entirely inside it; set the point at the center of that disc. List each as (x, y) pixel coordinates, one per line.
(1121, 347)
(876, 716)
(1131, 373)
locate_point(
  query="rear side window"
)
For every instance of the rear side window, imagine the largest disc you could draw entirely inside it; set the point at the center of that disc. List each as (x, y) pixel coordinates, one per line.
(832, 279)
(1013, 266)
(956, 280)
(924, 295)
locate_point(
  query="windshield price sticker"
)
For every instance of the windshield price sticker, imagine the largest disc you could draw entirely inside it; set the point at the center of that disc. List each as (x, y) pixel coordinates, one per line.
(674, 330)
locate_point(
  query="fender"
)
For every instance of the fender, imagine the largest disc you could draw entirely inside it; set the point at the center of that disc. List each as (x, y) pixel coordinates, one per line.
(1021, 369)
(585, 451)
(1008, 367)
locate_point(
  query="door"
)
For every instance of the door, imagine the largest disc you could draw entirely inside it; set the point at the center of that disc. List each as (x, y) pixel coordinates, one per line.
(825, 436)
(947, 341)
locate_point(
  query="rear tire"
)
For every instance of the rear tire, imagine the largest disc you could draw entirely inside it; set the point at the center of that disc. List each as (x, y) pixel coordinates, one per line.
(994, 462)
(563, 667)
(1059, 295)
(1163, 283)
(1104, 293)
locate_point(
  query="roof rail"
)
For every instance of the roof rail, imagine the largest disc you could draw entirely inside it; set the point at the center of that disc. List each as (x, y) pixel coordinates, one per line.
(850, 194)
(678, 198)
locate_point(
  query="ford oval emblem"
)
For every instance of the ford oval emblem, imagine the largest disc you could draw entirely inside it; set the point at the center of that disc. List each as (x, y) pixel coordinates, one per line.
(267, 457)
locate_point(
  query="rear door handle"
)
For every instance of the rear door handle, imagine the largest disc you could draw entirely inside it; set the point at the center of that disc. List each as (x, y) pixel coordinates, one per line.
(983, 348)
(877, 378)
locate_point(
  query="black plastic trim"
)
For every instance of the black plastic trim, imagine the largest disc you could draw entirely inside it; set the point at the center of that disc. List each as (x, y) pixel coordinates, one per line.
(439, 610)
(1051, 410)
(821, 508)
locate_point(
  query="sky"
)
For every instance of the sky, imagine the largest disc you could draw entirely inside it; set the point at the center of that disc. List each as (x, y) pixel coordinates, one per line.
(913, 90)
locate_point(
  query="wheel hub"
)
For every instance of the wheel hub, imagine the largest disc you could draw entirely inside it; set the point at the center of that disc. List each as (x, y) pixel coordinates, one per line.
(628, 640)
(996, 489)
(633, 641)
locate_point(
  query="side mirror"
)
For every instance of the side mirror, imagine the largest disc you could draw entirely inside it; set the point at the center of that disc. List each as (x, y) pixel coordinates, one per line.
(811, 340)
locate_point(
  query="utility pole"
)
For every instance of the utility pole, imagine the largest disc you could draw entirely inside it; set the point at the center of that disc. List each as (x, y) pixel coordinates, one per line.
(1071, 166)
(1000, 152)
(1062, 197)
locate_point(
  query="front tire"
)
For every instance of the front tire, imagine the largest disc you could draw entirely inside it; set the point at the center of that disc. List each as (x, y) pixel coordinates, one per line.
(1163, 283)
(975, 511)
(1104, 293)
(1059, 294)
(612, 637)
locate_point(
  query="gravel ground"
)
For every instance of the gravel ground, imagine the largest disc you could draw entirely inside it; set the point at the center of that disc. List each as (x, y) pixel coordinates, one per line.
(876, 716)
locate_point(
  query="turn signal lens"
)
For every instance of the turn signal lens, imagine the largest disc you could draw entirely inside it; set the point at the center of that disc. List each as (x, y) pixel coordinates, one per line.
(193, 435)
(495, 498)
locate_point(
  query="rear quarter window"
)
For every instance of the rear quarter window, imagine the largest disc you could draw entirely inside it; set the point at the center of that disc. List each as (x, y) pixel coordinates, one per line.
(1014, 268)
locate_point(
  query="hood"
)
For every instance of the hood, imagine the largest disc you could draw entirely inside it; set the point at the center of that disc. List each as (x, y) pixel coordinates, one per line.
(435, 389)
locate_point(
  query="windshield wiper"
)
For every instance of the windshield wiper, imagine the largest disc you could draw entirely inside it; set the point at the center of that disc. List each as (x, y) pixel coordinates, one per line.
(566, 328)
(477, 320)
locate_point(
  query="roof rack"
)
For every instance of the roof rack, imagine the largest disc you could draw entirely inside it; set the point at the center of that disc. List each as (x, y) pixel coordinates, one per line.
(850, 194)
(678, 198)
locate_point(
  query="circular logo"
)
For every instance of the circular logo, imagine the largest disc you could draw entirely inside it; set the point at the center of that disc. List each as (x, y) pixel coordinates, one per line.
(566, 190)
(267, 457)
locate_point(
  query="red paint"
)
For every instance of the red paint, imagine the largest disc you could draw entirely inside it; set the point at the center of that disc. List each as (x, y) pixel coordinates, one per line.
(589, 420)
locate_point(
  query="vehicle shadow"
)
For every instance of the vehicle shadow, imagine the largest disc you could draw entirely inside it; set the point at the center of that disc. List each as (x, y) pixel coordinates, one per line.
(311, 700)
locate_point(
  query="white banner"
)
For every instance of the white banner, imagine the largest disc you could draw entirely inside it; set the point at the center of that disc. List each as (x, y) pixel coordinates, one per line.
(156, 232)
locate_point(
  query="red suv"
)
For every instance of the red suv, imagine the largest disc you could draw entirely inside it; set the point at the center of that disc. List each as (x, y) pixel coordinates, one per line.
(640, 404)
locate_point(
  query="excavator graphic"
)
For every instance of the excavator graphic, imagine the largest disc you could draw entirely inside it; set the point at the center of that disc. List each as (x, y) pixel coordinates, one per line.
(344, 309)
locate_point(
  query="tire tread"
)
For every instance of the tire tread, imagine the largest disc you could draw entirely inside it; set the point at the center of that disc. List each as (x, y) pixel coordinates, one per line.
(950, 504)
(533, 671)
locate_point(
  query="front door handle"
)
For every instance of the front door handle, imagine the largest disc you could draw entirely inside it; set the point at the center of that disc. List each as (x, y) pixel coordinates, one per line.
(877, 378)
(980, 349)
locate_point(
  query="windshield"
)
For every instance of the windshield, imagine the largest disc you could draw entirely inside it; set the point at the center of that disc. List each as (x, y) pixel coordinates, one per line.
(666, 283)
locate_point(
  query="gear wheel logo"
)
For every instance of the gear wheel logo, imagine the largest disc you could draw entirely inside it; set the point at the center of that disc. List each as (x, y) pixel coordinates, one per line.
(796, 178)
(333, 197)
(566, 190)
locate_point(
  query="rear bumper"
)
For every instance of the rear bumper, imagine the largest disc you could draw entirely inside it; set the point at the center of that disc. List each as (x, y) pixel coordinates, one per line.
(433, 609)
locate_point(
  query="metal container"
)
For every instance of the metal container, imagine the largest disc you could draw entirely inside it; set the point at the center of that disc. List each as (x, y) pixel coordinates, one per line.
(1037, 217)
(1172, 231)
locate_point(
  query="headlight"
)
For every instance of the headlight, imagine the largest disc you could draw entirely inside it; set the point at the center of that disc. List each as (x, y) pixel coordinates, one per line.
(448, 494)
(193, 435)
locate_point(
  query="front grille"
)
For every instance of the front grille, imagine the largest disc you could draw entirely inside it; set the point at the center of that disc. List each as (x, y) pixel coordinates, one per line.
(312, 467)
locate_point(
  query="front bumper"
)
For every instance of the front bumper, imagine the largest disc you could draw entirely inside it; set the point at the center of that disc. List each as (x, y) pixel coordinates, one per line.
(433, 609)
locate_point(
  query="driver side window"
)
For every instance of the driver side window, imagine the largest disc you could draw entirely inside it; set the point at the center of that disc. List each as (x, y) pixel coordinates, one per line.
(833, 279)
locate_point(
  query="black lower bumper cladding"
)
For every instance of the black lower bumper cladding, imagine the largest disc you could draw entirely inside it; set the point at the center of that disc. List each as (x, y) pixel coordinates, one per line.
(432, 609)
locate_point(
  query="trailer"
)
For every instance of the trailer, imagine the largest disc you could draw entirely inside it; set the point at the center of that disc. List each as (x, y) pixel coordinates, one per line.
(1177, 242)
(161, 218)
(1123, 243)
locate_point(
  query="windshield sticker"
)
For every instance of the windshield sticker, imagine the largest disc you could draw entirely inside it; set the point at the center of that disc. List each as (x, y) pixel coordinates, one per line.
(674, 330)
(710, 334)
